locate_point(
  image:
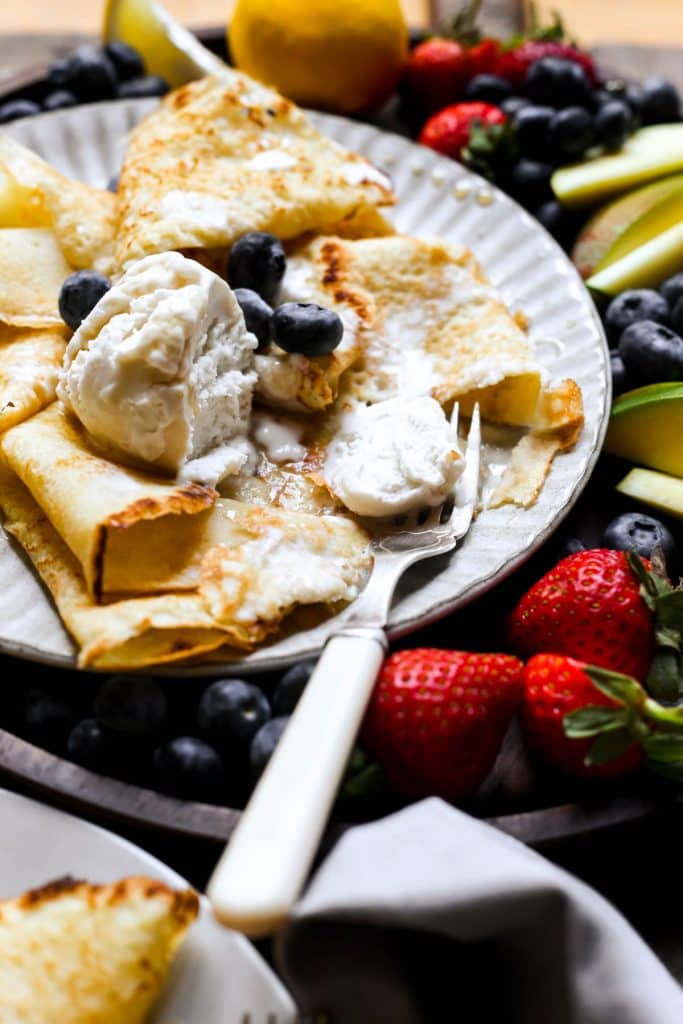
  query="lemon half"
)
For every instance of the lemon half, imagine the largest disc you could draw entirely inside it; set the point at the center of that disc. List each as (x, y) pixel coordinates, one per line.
(168, 49)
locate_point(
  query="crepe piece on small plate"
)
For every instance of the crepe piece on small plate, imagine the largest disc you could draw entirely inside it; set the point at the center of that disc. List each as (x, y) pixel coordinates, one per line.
(255, 566)
(76, 953)
(32, 270)
(95, 504)
(225, 155)
(29, 366)
(82, 218)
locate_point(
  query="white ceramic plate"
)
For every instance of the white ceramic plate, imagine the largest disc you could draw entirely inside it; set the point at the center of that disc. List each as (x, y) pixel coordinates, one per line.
(217, 978)
(436, 197)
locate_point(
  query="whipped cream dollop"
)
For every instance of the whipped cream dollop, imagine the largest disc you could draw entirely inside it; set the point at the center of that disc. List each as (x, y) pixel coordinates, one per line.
(161, 371)
(392, 457)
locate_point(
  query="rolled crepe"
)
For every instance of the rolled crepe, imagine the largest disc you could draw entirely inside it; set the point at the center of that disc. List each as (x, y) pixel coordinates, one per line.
(95, 505)
(29, 365)
(266, 563)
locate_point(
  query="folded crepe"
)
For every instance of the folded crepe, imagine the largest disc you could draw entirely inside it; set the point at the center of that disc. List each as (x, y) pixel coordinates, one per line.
(420, 319)
(29, 366)
(182, 573)
(32, 270)
(225, 155)
(76, 953)
(82, 218)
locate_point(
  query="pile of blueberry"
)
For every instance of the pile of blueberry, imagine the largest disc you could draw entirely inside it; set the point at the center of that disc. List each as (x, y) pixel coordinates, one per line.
(561, 117)
(645, 331)
(182, 737)
(256, 266)
(91, 73)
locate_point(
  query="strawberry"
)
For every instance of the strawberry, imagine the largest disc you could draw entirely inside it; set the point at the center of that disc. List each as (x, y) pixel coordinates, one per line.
(437, 71)
(555, 686)
(589, 607)
(514, 64)
(482, 57)
(449, 131)
(437, 718)
(608, 608)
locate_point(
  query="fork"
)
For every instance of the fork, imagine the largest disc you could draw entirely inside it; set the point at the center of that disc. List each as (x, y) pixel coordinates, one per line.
(264, 866)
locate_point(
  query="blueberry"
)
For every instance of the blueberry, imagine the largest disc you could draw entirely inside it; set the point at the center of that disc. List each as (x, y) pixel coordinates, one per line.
(143, 88)
(512, 104)
(529, 182)
(619, 375)
(651, 353)
(677, 317)
(60, 99)
(257, 261)
(58, 74)
(488, 89)
(92, 75)
(558, 82)
(80, 294)
(305, 328)
(632, 306)
(231, 709)
(672, 289)
(264, 743)
(189, 767)
(291, 686)
(660, 101)
(613, 123)
(571, 131)
(641, 533)
(131, 704)
(531, 125)
(113, 184)
(127, 61)
(91, 745)
(47, 719)
(561, 223)
(634, 97)
(257, 314)
(14, 109)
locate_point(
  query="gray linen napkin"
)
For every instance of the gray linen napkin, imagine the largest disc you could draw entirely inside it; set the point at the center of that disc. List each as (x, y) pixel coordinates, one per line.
(431, 915)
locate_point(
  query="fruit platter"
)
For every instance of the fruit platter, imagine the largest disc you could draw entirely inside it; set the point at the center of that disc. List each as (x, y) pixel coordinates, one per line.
(497, 226)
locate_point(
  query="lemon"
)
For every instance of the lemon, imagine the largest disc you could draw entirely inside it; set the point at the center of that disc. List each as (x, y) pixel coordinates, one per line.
(341, 55)
(167, 47)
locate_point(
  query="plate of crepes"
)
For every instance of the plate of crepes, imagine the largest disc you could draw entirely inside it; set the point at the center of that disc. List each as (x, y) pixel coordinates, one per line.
(93, 928)
(274, 316)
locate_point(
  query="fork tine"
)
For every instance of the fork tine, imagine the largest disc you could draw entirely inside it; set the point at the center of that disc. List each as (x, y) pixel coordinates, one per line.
(455, 413)
(467, 487)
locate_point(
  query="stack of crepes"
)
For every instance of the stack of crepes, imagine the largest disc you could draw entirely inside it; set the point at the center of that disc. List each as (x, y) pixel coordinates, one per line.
(144, 569)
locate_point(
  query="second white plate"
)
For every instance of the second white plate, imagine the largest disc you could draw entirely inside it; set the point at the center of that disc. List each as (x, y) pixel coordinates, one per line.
(217, 978)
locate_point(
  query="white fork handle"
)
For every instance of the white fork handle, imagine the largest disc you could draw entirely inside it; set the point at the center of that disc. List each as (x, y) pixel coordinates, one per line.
(264, 866)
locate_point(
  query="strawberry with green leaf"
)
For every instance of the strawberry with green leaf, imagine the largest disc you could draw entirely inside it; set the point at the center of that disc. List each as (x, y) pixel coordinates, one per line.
(589, 721)
(607, 608)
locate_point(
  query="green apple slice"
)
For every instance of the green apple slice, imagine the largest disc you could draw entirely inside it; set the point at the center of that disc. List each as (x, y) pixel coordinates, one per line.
(625, 223)
(660, 490)
(646, 426)
(649, 153)
(645, 266)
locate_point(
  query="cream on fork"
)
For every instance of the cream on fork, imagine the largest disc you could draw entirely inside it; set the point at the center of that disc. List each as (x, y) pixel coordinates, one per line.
(258, 879)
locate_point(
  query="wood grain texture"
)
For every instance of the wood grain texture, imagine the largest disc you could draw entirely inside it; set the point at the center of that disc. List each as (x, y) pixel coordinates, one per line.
(109, 800)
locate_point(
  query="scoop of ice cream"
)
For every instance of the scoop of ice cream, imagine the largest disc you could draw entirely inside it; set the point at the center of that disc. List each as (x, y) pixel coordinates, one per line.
(394, 456)
(161, 371)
